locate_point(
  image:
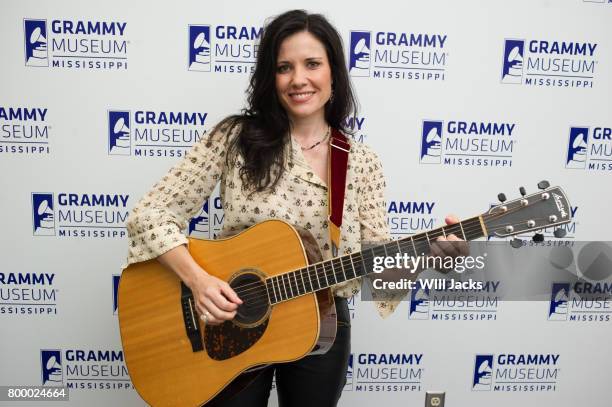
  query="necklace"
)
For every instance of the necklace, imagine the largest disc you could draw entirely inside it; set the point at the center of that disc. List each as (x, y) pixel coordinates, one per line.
(318, 142)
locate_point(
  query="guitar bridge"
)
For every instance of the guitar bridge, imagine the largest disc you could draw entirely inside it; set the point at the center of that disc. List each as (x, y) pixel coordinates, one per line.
(190, 318)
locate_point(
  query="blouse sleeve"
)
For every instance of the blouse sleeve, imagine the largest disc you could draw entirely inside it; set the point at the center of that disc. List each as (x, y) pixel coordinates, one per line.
(372, 203)
(157, 223)
(373, 219)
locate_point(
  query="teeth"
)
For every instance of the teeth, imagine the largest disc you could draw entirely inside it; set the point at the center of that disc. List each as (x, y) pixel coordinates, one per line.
(301, 95)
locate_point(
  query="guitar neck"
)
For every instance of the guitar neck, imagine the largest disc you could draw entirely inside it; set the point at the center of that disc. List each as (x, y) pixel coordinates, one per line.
(322, 275)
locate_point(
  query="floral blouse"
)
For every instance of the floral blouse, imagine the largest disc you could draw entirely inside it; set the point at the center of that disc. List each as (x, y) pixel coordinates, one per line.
(157, 223)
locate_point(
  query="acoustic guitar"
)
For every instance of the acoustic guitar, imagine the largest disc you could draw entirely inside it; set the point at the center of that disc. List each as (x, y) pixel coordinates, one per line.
(287, 311)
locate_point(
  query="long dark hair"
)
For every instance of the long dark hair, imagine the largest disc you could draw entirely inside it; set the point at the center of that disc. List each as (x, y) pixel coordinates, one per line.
(264, 124)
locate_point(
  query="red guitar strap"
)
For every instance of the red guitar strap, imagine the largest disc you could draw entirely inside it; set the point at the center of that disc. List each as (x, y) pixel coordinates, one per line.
(338, 161)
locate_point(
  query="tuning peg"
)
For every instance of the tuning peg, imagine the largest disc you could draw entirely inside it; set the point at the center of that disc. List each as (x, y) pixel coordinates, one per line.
(522, 191)
(538, 238)
(501, 196)
(516, 243)
(560, 232)
(543, 184)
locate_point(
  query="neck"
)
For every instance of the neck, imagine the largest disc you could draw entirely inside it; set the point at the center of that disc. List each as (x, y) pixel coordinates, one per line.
(305, 130)
(322, 275)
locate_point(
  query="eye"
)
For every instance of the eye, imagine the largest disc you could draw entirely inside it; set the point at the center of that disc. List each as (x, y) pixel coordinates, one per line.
(282, 68)
(313, 64)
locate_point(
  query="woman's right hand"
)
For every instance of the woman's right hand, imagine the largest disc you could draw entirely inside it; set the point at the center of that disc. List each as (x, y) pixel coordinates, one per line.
(215, 300)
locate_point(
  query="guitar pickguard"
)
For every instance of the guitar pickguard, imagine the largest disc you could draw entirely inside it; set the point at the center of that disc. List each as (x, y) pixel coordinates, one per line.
(228, 340)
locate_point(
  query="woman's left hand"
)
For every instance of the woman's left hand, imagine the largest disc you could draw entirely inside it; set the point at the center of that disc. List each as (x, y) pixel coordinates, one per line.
(449, 245)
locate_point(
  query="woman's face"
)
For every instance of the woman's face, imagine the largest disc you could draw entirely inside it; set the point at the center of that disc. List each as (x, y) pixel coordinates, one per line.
(303, 76)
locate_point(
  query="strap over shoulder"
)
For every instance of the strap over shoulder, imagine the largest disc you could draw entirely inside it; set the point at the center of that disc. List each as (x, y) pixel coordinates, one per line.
(337, 167)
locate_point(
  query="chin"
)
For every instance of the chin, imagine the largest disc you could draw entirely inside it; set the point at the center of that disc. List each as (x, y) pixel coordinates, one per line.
(303, 112)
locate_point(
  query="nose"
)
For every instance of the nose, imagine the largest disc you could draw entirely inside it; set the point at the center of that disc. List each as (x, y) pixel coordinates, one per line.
(300, 77)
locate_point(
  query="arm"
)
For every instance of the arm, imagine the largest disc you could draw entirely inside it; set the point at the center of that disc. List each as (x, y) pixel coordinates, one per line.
(156, 224)
(373, 223)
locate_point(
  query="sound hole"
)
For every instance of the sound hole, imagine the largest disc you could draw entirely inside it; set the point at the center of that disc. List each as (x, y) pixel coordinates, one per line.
(251, 289)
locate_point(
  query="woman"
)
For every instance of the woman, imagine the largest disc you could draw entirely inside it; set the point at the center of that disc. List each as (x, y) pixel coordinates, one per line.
(272, 163)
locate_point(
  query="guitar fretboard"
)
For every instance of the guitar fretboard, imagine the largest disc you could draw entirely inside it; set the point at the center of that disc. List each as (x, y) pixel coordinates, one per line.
(315, 277)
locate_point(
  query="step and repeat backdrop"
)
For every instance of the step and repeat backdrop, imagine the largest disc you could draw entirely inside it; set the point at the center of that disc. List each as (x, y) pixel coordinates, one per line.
(461, 99)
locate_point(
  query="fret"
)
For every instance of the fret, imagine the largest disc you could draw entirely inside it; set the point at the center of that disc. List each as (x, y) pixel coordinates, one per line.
(379, 251)
(427, 236)
(399, 248)
(297, 286)
(317, 275)
(353, 266)
(319, 279)
(303, 282)
(474, 231)
(287, 289)
(325, 275)
(280, 293)
(337, 274)
(268, 293)
(365, 270)
(333, 271)
(284, 286)
(342, 267)
(456, 230)
(294, 289)
(401, 243)
(482, 225)
(416, 254)
(432, 235)
(423, 247)
(470, 227)
(268, 289)
(393, 248)
(341, 274)
(286, 277)
(367, 259)
(462, 231)
(273, 290)
(309, 280)
(443, 231)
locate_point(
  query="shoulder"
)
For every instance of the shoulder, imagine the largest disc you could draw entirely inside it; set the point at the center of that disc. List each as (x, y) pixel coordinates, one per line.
(363, 156)
(225, 130)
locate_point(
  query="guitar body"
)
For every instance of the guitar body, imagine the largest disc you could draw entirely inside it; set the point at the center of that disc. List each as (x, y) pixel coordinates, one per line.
(174, 359)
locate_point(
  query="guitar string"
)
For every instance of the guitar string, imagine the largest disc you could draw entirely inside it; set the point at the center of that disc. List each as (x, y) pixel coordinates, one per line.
(469, 228)
(326, 269)
(326, 264)
(256, 298)
(243, 289)
(260, 297)
(323, 267)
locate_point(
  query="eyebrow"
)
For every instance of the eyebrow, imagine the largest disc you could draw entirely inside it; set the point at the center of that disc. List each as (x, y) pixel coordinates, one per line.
(306, 59)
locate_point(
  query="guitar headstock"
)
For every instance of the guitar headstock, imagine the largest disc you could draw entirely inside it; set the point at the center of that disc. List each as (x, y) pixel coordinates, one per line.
(547, 208)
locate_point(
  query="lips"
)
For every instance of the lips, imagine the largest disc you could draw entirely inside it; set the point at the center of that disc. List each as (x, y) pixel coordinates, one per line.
(300, 97)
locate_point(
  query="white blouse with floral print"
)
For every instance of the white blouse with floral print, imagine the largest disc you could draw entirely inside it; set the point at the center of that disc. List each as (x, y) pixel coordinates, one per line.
(157, 223)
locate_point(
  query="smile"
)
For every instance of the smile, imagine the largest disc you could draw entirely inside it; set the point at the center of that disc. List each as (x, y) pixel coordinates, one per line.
(301, 96)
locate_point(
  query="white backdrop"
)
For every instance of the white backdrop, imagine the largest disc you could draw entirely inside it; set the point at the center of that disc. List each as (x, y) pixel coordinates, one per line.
(77, 143)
